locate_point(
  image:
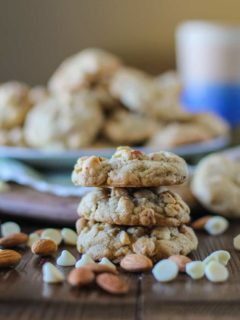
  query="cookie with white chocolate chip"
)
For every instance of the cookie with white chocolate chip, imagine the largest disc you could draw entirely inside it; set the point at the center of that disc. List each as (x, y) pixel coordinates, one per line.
(14, 104)
(131, 206)
(130, 168)
(114, 242)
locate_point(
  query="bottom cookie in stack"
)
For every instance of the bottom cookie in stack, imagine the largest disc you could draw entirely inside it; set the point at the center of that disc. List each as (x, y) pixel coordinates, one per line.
(118, 221)
(114, 242)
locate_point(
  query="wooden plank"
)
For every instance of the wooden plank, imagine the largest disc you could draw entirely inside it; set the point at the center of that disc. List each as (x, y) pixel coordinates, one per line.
(24, 284)
(188, 299)
(23, 295)
(23, 202)
(63, 311)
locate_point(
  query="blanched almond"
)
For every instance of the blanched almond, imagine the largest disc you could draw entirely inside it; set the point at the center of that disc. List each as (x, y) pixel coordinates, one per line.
(13, 240)
(200, 223)
(181, 261)
(79, 277)
(44, 247)
(100, 268)
(136, 263)
(9, 258)
(112, 283)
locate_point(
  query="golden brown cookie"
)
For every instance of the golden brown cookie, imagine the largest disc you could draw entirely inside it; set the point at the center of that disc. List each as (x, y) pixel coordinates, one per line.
(71, 124)
(124, 127)
(130, 168)
(144, 207)
(84, 69)
(114, 242)
(14, 104)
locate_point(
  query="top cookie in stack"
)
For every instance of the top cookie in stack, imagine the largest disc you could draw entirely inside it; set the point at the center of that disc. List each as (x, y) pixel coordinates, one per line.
(130, 168)
(130, 213)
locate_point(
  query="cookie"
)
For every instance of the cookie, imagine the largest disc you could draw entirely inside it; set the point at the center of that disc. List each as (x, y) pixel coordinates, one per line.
(70, 125)
(138, 92)
(130, 168)
(12, 137)
(84, 69)
(129, 128)
(215, 125)
(14, 104)
(38, 94)
(178, 134)
(216, 184)
(145, 207)
(114, 242)
(170, 84)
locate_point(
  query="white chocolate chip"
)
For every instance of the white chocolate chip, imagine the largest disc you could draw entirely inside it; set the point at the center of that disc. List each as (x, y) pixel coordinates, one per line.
(165, 270)
(236, 242)
(216, 225)
(66, 259)
(124, 238)
(32, 238)
(51, 274)
(52, 234)
(216, 272)
(9, 227)
(69, 236)
(108, 263)
(221, 256)
(195, 269)
(85, 259)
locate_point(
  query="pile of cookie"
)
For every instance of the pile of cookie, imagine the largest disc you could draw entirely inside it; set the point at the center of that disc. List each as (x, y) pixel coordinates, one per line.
(94, 100)
(128, 212)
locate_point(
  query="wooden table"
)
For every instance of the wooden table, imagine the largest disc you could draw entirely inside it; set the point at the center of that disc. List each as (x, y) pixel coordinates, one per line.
(23, 295)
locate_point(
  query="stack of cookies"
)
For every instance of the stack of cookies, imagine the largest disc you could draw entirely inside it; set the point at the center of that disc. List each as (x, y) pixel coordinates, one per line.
(129, 212)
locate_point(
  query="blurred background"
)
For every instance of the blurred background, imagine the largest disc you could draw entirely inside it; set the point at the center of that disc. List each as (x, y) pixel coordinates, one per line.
(37, 35)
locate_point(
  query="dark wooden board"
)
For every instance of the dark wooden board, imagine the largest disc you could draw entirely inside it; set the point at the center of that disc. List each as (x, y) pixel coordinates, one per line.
(22, 292)
(23, 202)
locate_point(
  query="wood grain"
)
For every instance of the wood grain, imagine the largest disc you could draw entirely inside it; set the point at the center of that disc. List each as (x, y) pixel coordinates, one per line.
(24, 202)
(23, 295)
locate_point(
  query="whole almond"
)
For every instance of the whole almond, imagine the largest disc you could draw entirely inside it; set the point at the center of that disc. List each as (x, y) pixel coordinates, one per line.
(136, 263)
(112, 283)
(79, 277)
(44, 247)
(13, 240)
(9, 258)
(100, 268)
(181, 261)
(200, 223)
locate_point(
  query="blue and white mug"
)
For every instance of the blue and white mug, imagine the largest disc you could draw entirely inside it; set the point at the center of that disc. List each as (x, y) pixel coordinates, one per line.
(208, 60)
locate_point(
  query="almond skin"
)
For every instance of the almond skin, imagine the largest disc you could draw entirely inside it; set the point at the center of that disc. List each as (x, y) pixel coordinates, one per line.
(181, 261)
(112, 283)
(100, 268)
(9, 258)
(200, 223)
(80, 277)
(44, 247)
(14, 240)
(136, 263)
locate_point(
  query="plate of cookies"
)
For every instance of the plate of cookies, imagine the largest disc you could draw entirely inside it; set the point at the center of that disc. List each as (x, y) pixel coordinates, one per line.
(94, 102)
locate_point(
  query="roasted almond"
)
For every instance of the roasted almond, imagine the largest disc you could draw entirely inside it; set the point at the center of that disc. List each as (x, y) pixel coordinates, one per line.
(100, 268)
(200, 223)
(136, 263)
(9, 258)
(112, 283)
(80, 277)
(181, 261)
(44, 247)
(13, 240)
